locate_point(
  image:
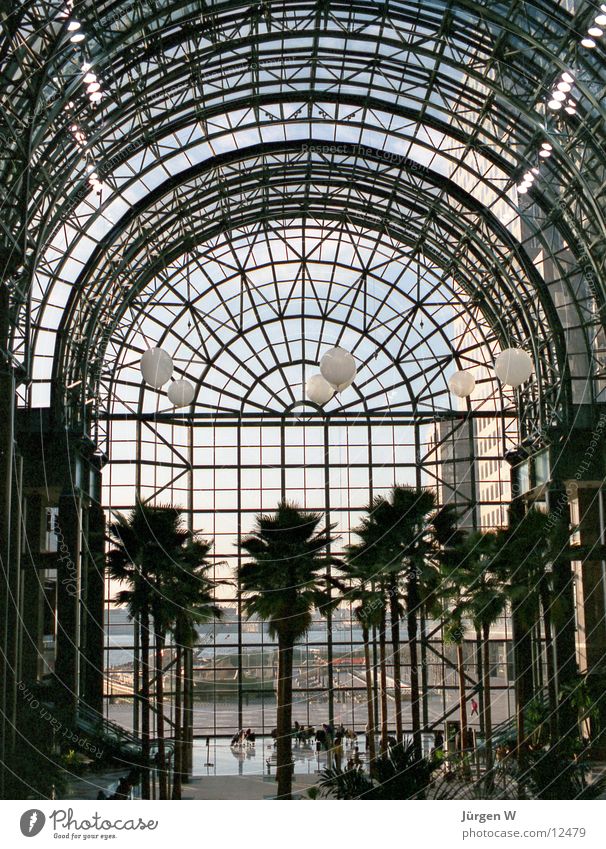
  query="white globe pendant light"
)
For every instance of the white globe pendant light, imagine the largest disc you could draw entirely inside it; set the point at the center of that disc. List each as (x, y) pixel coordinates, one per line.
(338, 367)
(181, 393)
(462, 384)
(156, 367)
(319, 390)
(513, 366)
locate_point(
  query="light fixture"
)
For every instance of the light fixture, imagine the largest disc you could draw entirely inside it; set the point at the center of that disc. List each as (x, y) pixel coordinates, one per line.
(563, 86)
(545, 153)
(554, 105)
(522, 189)
(601, 20)
(92, 87)
(596, 32)
(96, 97)
(571, 110)
(568, 78)
(546, 146)
(89, 78)
(181, 393)
(73, 26)
(156, 367)
(462, 383)
(77, 38)
(338, 367)
(513, 366)
(319, 390)
(559, 95)
(588, 42)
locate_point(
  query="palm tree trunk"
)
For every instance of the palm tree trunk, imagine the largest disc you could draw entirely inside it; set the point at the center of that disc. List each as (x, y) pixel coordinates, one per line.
(487, 706)
(397, 666)
(178, 725)
(372, 754)
(552, 696)
(411, 621)
(284, 719)
(383, 681)
(462, 705)
(188, 715)
(522, 643)
(159, 674)
(480, 677)
(145, 704)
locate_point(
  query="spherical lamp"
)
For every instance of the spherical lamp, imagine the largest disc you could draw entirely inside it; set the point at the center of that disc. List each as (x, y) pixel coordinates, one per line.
(181, 393)
(513, 366)
(462, 384)
(338, 367)
(156, 367)
(319, 390)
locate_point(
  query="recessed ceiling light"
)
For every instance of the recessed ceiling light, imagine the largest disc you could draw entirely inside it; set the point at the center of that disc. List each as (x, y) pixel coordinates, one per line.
(547, 146)
(568, 78)
(93, 87)
(564, 86)
(558, 95)
(596, 32)
(545, 153)
(601, 20)
(73, 26)
(78, 37)
(588, 42)
(89, 78)
(555, 105)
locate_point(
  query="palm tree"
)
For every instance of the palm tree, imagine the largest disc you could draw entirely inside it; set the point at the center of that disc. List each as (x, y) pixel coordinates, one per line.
(369, 604)
(484, 601)
(191, 594)
(152, 550)
(396, 536)
(283, 583)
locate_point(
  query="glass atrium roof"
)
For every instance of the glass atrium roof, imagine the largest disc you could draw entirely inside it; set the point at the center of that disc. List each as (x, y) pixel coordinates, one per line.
(249, 184)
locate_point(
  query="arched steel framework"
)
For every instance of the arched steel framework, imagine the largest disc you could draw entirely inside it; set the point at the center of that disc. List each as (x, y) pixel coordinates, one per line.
(257, 181)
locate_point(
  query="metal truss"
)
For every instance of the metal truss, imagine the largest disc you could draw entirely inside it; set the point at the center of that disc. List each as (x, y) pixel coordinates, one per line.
(419, 119)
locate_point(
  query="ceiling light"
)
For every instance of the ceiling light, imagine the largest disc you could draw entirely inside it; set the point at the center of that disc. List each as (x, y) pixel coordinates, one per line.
(570, 109)
(545, 153)
(601, 20)
(96, 97)
(564, 86)
(535, 170)
(93, 87)
(522, 190)
(86, 66)
(546, 146)
(89, 78)
(79, 36)
(588, 42)
(596, 32)
(559, 95)
(73, 26)
(555, 105)
(529, 176)
(568, 78)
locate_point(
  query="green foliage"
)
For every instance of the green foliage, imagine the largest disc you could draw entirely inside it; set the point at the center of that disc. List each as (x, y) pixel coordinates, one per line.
(285, 577)
(399, 776)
